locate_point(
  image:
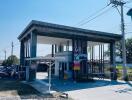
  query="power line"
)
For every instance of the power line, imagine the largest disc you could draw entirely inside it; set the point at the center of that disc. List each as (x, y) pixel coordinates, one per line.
(129, 32)
(127, 7)
(92, 15)
(118, 10)
(5, 54)
(95, 17)
(12, 46)
(129, 1)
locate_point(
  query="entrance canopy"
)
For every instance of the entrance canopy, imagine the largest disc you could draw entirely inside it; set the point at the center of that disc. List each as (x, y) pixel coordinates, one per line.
(61, 31)
(68, 42)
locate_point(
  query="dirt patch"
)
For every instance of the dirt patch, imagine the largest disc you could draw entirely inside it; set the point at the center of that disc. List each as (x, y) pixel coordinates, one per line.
(15, 90)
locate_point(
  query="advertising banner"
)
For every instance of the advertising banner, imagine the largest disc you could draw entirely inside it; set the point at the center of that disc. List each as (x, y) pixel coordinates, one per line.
(80, 53)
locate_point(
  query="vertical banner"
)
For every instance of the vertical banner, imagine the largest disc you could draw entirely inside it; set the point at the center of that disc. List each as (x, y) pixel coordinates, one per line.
(80, 53)
(76, 56)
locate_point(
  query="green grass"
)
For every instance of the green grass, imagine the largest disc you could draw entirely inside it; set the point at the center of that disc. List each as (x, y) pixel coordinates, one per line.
(120, 70)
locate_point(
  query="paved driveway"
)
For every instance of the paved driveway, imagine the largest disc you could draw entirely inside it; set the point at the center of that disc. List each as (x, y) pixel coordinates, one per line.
(110, 92)
(98, 90)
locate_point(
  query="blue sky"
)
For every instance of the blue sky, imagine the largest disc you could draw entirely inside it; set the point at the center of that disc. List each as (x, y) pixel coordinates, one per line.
(16, 14)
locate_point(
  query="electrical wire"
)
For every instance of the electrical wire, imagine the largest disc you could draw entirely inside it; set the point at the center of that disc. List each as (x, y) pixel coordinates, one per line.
(118, 11)
(127, 7)
(129, 1)
(95, 17)
(91, 15)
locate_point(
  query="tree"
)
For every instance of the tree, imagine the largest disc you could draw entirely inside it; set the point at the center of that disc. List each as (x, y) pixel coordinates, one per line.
(129, 50)
(119, 50)
(118, 47)
(4, 63)
(11, 60)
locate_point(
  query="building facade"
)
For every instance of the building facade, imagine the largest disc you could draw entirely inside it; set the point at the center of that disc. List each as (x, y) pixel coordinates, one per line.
(70, 43)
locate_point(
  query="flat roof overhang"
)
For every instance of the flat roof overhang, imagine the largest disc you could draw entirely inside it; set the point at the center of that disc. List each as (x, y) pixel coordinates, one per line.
(61, 31)
(63, 41)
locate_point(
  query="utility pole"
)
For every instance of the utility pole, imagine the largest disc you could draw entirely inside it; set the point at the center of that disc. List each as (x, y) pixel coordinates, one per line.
(5, 54)
(12, 46)
(121, 4)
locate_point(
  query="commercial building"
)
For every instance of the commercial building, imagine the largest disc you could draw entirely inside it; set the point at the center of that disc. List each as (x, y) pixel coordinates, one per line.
(73, 49)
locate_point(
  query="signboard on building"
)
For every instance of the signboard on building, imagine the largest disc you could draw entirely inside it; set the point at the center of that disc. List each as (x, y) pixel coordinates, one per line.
(80, 53)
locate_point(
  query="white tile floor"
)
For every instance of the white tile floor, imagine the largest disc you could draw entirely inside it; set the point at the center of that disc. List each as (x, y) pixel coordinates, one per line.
(116, 92)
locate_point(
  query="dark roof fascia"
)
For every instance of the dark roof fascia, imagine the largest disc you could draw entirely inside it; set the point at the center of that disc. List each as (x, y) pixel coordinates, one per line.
(66, 28)
(129, 13)
(28, 27)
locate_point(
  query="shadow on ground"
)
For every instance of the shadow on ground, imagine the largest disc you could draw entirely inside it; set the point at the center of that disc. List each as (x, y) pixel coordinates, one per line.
(126, 90)
(129, 83)
(65, 86)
